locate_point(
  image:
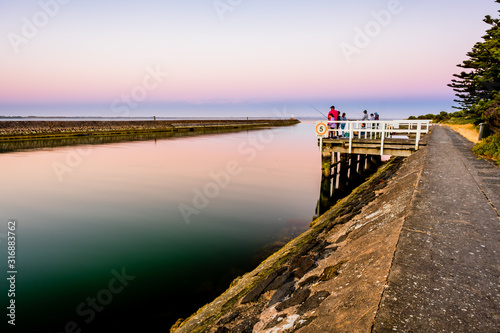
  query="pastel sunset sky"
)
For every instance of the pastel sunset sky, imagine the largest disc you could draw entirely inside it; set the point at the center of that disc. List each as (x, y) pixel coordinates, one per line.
(180, 57)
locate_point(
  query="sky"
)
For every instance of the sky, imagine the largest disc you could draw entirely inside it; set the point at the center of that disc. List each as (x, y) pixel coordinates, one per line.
(233, 57)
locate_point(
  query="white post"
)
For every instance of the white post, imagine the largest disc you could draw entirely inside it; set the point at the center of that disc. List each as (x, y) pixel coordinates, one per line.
(419, 127)
(382, 135)
(382, 146)
(351, 133)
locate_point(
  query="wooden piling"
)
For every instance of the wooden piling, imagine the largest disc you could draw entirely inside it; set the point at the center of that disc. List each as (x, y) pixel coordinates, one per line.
(362, 164)
(344, 168)
(353, 167)
(326, 163)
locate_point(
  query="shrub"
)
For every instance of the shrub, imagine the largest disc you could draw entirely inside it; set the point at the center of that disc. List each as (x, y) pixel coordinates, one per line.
(489, 147)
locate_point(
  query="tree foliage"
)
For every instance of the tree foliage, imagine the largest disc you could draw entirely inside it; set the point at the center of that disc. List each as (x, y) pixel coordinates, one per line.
(478, 85)
(440, 117)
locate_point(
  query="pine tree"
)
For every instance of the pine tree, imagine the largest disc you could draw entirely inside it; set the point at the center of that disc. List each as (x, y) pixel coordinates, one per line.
(478, 86)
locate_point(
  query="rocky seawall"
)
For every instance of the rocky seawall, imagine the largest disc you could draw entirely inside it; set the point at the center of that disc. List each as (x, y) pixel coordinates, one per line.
(330, 278)
(26, 130)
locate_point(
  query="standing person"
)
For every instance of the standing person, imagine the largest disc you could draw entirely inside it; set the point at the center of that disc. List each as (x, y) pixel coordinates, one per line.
(377, 118)
(333, 116)
(343, 118)
(330, 134)
(365, 117)
(372, 118)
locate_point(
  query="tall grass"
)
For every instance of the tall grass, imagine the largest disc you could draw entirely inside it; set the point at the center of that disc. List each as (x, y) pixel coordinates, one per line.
(468, 130)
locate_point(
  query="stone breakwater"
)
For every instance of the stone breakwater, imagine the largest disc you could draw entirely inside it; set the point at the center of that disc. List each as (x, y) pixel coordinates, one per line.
(25, 130)
(330, 278)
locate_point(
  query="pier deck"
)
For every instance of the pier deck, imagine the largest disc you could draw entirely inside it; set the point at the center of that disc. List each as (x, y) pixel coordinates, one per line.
(393, 147)
(395, 137)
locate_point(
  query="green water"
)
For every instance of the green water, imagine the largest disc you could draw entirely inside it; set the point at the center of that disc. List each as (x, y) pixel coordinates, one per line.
(87, 211)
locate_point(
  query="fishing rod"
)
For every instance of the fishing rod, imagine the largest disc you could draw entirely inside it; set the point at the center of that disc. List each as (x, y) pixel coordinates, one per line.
(360, 114)
(318, 111)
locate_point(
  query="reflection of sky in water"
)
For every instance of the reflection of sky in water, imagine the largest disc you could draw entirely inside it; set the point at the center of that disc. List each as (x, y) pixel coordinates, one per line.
(119, 207)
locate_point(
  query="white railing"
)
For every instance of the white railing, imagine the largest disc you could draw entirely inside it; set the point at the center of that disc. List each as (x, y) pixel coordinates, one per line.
(375, 130)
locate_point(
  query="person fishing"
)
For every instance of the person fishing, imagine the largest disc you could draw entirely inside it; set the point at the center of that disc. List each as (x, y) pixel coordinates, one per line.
(333, 116)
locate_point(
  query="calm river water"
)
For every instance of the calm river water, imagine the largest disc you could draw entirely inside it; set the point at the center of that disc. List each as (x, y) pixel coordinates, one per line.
(138, 234)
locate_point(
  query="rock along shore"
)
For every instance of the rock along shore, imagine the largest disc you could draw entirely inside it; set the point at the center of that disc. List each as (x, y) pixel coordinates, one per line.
(27, 130)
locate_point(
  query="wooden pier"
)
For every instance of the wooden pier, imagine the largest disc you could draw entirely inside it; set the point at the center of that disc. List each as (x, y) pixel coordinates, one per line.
(395, 137)
(351, 150)
(391, 147)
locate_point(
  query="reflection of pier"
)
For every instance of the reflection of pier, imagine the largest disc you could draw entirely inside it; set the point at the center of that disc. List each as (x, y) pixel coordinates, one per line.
(352, 150)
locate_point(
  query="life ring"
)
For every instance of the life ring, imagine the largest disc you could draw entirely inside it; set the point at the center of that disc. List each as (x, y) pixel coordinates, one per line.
(321, 129)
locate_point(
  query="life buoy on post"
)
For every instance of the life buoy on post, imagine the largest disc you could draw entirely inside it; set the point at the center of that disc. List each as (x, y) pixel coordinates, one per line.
(321, 129)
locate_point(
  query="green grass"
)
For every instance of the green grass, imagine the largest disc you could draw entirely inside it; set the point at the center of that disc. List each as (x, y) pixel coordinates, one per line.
(461, 120)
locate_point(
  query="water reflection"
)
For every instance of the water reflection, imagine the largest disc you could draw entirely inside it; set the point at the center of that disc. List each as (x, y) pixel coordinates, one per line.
(35, 144)
(118, 208)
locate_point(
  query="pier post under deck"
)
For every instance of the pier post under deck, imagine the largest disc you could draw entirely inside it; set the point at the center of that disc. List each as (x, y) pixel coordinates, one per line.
(362, 163)
(353, 169)
(326, 163)
(344, 167)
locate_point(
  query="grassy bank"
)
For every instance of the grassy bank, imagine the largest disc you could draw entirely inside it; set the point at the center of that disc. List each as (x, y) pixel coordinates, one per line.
(487, 148)
(469, 131)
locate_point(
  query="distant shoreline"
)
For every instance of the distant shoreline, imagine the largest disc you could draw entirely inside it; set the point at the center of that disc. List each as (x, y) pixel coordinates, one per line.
(30, 129)
(130, 118)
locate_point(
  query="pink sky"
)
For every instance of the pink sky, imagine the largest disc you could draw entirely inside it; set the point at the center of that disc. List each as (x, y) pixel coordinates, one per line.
(94, 52)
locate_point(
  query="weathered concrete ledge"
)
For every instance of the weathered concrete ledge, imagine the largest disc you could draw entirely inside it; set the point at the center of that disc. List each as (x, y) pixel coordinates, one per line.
(329, 279)
(27, 130)
(445, 276)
